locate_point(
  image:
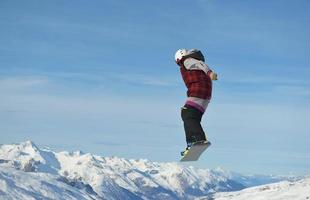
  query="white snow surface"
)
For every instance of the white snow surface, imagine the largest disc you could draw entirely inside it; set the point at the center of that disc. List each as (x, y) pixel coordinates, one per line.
(16, 184)
(29, 172)
(285, 190)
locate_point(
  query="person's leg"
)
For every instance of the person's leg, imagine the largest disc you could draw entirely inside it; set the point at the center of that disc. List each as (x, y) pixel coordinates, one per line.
(193, 130)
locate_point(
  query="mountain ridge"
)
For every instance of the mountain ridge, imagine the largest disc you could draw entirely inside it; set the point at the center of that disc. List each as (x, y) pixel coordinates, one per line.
(93, 176)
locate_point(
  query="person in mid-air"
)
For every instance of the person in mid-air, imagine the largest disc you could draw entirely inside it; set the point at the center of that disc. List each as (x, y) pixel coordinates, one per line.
(198, 78)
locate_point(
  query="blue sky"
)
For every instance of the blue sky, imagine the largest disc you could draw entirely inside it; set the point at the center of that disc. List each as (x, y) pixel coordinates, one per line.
(100, 76)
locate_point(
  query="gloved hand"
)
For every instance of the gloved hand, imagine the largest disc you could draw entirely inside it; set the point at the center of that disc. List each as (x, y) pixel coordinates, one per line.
(213, 76)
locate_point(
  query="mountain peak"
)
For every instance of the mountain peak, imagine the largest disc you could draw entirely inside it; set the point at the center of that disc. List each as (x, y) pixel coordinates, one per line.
(118, 178)
(29, 144)
(27, 148)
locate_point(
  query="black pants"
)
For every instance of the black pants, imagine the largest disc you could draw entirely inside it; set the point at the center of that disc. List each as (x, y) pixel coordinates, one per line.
(192, 118)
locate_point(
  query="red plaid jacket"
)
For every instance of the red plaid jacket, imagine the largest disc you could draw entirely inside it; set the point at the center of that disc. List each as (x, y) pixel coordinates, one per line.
(198, 83)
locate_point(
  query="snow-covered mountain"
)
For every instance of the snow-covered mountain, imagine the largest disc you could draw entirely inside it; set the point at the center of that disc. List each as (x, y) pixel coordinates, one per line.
(28, 172)
(285, 190)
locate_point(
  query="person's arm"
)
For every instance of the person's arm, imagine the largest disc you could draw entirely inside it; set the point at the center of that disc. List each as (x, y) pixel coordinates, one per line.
(193, 64)
(204, 67)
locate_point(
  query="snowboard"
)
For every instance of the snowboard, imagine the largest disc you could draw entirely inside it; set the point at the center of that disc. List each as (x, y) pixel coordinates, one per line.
(195, 151)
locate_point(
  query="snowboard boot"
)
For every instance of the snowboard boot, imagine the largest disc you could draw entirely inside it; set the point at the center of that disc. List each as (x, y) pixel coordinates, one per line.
(189, 145)
(183, 153)
(197, 139)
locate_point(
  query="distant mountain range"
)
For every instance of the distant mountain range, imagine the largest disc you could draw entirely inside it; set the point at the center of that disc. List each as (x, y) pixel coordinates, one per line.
(26, 172)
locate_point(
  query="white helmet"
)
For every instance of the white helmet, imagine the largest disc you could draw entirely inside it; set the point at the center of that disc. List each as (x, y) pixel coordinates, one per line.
(179, 54)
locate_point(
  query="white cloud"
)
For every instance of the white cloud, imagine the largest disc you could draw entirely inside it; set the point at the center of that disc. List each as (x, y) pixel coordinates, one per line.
(22, 82)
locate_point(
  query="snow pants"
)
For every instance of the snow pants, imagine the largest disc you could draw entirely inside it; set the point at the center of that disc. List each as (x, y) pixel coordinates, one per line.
(192, 118)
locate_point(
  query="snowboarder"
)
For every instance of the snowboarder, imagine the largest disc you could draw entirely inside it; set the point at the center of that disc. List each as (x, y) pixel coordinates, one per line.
(198, 78)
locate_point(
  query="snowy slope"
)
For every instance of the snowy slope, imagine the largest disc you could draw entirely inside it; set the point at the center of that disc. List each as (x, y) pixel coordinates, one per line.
(296, 190)
(28, 170)
(16, 184)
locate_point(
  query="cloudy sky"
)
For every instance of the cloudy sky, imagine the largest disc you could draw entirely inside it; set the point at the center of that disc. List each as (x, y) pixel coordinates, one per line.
(100, 76)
